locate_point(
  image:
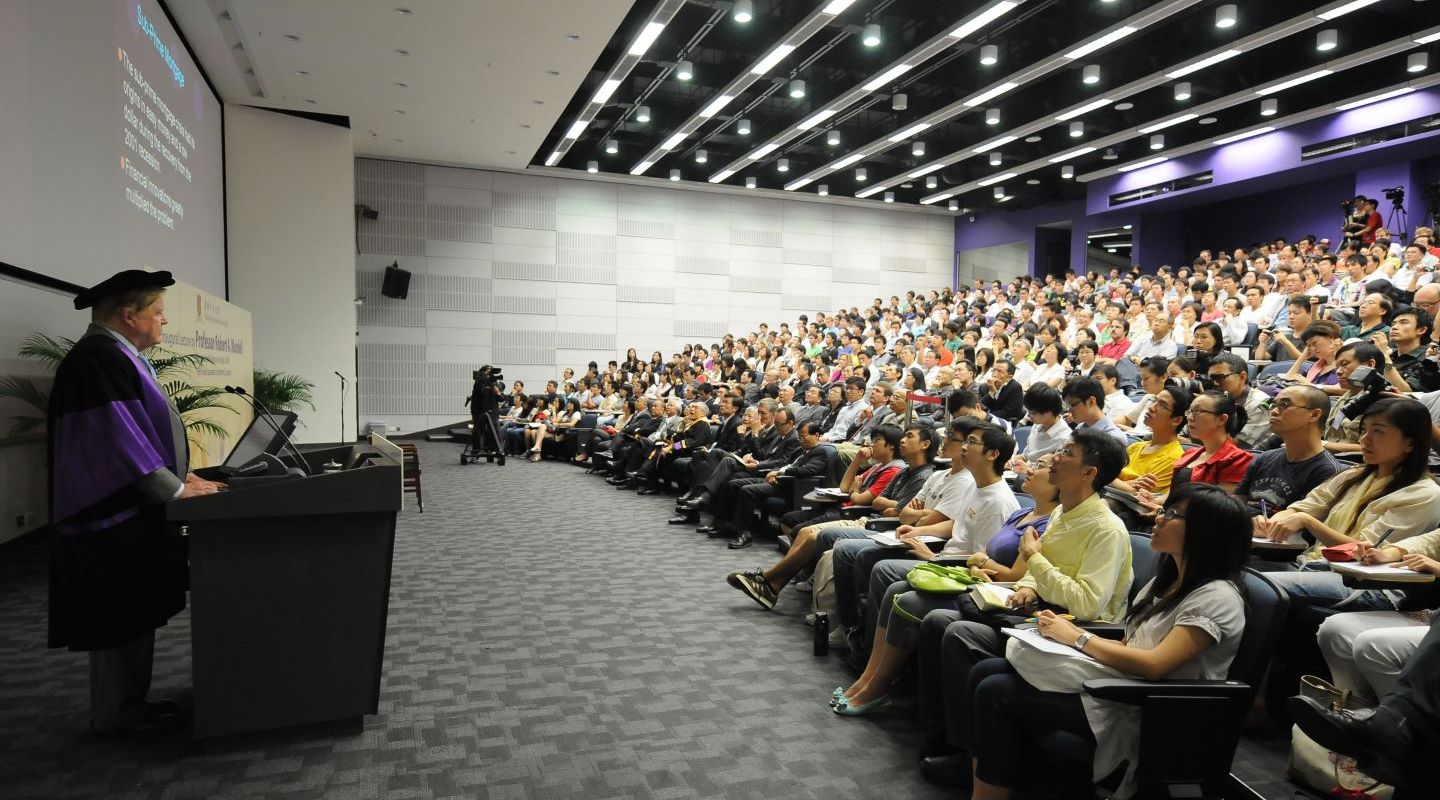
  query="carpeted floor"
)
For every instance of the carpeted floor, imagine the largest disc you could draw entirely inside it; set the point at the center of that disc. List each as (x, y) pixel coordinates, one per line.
(549, 637)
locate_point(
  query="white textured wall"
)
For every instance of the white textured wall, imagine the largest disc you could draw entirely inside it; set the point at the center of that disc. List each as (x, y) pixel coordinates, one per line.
(290, 190)
(535, 274)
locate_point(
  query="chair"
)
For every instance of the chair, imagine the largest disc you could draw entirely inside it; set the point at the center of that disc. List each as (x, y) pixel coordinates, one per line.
(411, 473)
(1143, 560)
(1275, 368)
(1025, 500)
(797, 488)
(1189, 728)
(1022, 438)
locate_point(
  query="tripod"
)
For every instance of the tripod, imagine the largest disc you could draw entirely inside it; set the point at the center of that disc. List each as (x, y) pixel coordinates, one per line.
(483, 432)
(1397, 214)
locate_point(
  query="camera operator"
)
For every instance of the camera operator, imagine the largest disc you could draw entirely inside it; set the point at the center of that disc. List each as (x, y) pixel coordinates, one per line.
(1363, 220)
(1342, 424)
(1410, 328)
(484, 402)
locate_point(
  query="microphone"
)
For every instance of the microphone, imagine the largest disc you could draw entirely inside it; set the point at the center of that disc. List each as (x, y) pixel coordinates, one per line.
(263, 412)
(341, 377)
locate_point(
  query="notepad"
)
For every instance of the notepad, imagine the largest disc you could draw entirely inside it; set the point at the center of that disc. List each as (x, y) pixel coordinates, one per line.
(1383, 572)
(890, 540)
(991, 597)
(1033, 638)
(832, 492)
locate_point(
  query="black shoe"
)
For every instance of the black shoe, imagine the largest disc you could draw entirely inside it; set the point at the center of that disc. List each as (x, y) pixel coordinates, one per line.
(696, 500)
(705, 529)
(647, 490)
(1380, 741)
(683, 519)
(744, 539)
(952, 771)
(624, 485)
(616, 480)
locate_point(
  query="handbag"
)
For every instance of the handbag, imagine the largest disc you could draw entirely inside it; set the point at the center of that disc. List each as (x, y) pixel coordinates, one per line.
(941, 579)
(1324, 770)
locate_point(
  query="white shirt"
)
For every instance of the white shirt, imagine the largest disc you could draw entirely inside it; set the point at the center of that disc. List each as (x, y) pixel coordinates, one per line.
(1232, 330)
(1047, 372)
(1117, 405)
(1024, 373)
(978, 520)
(1255, 315)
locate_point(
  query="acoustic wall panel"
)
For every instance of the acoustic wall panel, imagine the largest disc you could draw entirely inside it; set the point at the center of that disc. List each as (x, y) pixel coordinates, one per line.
(536, 274)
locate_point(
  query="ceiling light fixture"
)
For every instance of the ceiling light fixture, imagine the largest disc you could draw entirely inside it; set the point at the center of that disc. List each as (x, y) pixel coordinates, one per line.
(606, 89)
(674, 174)
(743, 11)
(861, 174)
(1269, 108)
(721, 175)
(1343, 9)
(994, 179)
(576, 128)
(899, 101)
(611, 146)
(742, 127)
(1182, 90)
(701, 156)
(910, 131)
(836, 6)
(917, 148)
(674, 141)
(876, 189)
(999, 192)
(990, 94)
(832, 138)
(847, 161)
(592, 167)
(1157, 142)
(1149, 162)
(1110, 154)
(639, 169)
(823, 190)
(1245, 135)
(925, 170)
(1077, 129)
(989, 55)
(772, 58)
(1163, 124)
(797, 183)
(1067, 172)
(886, 76)
(1417, 62)
(763, 150)
(796, 89)
(1225, 16)
(1207, 61)
(1002, 141)
(1434, 37)
(932, 182)
(782, 165)
(642, 114)
(646, 38)
(996, 158)
(1071, 154)
(954, 205)
(1090, 75)
(1280, 87)
(1100, 42)
(815, 119)
(1375, 98)
(982, 19)
(751, 182)
(1085, 109)
(870, 35)
(550, 160)
(684, 70)
(889, 197)
(1327, 39)
(715, 105)
(992, 116)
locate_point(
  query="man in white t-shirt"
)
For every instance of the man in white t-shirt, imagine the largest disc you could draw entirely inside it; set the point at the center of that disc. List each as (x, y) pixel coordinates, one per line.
(971, 521)
(1117, 403)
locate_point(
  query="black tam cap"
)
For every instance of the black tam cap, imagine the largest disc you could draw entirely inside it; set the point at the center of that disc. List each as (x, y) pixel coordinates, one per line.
(124, 281)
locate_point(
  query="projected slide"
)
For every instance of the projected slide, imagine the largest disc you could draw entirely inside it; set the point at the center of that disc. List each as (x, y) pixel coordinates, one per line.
(116, 146)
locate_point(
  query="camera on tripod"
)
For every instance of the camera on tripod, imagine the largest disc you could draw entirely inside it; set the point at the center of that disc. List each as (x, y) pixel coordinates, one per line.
(1395, 194)
(1371, 384)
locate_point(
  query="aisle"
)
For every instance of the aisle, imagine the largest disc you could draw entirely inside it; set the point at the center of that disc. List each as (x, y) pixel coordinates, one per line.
(549, 637)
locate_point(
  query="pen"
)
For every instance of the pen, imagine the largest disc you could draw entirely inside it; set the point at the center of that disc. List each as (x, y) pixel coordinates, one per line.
(1061, 616)
(1264, 509)
(1383, 537)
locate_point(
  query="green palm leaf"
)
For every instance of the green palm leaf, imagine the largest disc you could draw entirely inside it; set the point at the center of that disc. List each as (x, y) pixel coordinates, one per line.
(282, 391)
(48, 350)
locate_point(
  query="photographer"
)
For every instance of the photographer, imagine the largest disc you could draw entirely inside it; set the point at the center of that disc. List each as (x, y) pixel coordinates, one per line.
(484, 402)
(1342, 424)
(1278, 344)
(1409, 372)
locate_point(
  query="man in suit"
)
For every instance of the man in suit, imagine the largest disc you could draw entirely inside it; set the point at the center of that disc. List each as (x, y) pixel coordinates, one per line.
(811, 461)
(628, 440)
(1003, 396)
(772, 451)
(720, 465)
(693, 434)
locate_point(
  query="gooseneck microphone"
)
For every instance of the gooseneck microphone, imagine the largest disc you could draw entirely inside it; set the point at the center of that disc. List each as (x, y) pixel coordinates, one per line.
(263, 412)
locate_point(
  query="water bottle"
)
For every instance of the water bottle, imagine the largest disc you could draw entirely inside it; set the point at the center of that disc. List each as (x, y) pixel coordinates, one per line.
(822, 633)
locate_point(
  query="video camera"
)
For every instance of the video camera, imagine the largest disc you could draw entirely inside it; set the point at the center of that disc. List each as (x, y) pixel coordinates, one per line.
(489, 385)
(1395, 194)
(1371, 384)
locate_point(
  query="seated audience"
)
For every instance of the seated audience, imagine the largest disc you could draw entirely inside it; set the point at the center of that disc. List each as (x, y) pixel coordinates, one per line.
(1276, 478)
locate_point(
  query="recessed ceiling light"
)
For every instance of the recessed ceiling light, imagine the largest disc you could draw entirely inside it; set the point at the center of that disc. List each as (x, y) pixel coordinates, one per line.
(1032, 139)
(1207, 121)
(400, 51)
(538, 102)
(1124, 106)
(404, 12)
(511, 152)
(1033, 181)
(525, 125)
(399, 140)
(292, 37)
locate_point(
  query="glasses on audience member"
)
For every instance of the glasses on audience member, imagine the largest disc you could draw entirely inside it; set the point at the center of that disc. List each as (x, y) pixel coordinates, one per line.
(1285, 404)
(1220, 376)
(1167, 514)
(1193, 411)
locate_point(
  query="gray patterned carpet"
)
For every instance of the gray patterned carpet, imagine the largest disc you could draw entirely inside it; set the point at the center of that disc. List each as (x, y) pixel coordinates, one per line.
(549, 637)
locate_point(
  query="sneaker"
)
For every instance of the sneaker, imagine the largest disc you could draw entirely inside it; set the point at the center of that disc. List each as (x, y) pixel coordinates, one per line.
(807, 586)
(839, 639)
(734, 578)
(759, 590)
(810, 619)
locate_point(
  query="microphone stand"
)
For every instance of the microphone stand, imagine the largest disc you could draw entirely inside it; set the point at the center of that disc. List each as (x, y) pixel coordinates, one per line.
(262, 411)
(343, 383)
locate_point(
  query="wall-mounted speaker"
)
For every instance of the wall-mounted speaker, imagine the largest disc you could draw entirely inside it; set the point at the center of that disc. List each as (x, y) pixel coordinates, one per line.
(397, 282)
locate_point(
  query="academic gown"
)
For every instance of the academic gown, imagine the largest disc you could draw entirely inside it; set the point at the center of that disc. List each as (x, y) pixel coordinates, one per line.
(117, 569)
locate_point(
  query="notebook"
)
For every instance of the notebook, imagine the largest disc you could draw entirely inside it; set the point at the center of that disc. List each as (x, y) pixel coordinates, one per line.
(1381, 572)
(890, 540)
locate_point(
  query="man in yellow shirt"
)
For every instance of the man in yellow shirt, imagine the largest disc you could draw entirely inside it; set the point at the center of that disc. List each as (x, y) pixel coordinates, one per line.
(1082, 566)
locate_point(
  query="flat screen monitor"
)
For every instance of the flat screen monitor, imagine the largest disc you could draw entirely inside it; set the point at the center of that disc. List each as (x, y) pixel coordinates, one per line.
(260, 438)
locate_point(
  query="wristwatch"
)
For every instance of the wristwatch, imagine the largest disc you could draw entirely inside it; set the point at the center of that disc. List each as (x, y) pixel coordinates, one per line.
(1082, 641)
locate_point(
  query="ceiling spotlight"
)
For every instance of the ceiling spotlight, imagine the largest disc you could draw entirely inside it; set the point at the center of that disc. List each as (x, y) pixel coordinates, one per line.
(861, 175)
(999, 192)
(642, 114)
(1327, 39)
(1110, 154)
(1268, 108)
(751, 183)
(742, 127)
(1124, 106)
(823, 190)
(1157, 142)
(889, 197)
(797, 88)
(931, 182)
(833, 138)
(782, 165)
(1225, 16)
(611, 146)
(592, 167)
(684, 70)
(1067, 172)
(1182, 90)
(996, 158)
(989, 55)
(1417, 62)
(674, 174)
(1090, 75)
(992, 116)
(870, 37)
(701, 156)
(954, 205)
(917, 148)
(1077, 129)
(743, 12)
(899, 101)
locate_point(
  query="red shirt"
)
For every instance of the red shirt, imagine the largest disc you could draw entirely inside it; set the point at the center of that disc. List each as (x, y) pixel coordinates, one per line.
(1115, 349)
(1228, 465)
(882, 475)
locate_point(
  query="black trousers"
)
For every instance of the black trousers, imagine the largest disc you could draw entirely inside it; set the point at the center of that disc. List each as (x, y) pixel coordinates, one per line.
(119, 681)
(949, 649)
(724, 498)
(750, 501)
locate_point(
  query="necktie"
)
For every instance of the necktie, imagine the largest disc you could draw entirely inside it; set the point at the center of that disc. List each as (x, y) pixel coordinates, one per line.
(149, 367)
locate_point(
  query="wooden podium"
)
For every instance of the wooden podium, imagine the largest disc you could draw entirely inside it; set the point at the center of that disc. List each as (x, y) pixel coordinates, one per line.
(289, 591)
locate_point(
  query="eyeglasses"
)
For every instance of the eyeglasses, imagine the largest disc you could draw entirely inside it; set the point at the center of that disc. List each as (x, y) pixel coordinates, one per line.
(1169, 514)
(1285, 404)
(1193, 411)
(1222, 375)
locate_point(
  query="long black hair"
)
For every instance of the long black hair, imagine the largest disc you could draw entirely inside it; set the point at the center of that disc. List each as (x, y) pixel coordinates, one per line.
(1413, 421)
(1225, 404)
(1217, 545)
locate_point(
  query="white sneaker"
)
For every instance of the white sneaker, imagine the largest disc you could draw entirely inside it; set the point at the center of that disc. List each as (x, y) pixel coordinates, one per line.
(807, 586)
(810, 619)
(838, 638)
